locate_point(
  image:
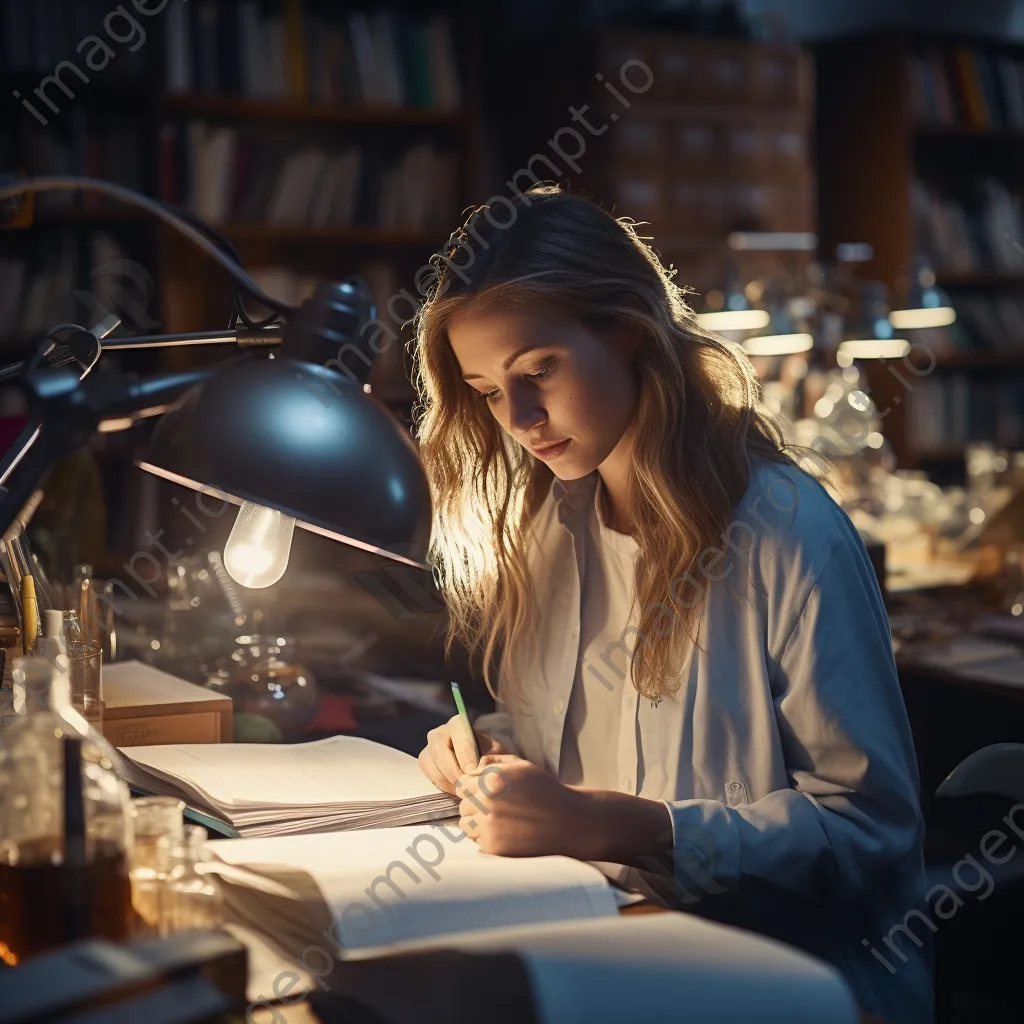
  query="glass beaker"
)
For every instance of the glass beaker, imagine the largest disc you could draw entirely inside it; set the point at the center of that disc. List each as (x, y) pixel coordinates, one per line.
(85, 674)
(159, 829)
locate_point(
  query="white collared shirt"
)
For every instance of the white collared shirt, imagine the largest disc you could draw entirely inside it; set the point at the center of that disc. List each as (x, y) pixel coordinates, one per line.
(607, 568)
(784, 757)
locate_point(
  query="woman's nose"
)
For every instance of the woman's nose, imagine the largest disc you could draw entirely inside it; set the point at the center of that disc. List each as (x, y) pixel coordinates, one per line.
(524, 412)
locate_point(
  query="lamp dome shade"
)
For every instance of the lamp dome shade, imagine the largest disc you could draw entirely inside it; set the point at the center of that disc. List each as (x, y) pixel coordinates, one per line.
(306, 441)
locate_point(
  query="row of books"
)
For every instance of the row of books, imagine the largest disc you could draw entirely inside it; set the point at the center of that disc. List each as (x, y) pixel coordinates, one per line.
(58, 280)
(945, 412)
(224, 176)
(973, 229)
(310, 52)
(37, 35)
(971, 86)
(96, 144)
(993, 323)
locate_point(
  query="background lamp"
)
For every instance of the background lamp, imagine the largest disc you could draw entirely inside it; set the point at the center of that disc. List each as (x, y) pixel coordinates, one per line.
(273, 430)
(926, 306)
(872, 335)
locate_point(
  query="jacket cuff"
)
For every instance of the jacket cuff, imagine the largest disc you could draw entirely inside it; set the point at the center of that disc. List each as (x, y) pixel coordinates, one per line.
(705, 848)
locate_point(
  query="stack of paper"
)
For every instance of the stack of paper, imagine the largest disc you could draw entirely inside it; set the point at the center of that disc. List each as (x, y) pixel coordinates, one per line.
(368, 889)
(343, 782)
(370, 897)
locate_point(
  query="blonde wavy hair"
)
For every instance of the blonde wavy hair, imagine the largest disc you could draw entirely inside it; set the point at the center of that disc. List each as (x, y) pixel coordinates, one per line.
(698, 425)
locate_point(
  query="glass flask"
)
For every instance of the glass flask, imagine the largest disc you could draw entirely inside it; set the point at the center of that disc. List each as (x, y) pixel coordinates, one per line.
(159, 830)
(275, 696)
(52, 889)
(193, 896)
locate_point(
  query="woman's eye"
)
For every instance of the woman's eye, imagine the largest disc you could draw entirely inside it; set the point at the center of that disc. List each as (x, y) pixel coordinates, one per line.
(541, 374)
(543, 371)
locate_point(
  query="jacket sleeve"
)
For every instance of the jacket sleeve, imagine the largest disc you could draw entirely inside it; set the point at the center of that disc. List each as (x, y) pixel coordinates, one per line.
(852, 812)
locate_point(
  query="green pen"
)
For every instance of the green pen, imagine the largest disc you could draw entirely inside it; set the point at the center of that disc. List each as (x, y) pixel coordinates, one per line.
(464, 715)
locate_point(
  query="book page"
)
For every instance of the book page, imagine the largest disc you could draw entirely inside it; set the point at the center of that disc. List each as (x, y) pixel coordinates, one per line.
(337, 770)
(395, 884)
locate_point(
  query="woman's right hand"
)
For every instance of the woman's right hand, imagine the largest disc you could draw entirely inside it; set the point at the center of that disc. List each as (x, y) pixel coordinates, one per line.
(449, 752)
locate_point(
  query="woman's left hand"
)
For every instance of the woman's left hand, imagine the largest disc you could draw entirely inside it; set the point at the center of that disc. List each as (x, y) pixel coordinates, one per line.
(515, 809)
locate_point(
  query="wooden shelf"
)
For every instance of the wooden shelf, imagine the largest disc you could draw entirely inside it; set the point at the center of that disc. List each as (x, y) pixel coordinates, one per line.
(363, 235)
(964, 131)
(239, 108)
(107, 215)
(945, 453)
(980, 276)
(982, 361)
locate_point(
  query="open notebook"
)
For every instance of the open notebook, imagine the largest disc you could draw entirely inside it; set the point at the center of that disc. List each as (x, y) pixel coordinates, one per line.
(303, 904)
(344, 782)
(361, 890)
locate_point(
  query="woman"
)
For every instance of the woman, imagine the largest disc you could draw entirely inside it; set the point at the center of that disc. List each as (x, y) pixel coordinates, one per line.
(693, 657)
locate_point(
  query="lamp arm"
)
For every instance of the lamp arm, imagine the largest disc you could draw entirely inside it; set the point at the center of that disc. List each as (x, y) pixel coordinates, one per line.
(243, 338)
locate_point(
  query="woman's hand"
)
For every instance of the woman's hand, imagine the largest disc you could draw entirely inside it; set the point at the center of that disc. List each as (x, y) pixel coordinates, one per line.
(515, 809)
(449, 753)
(512, 808)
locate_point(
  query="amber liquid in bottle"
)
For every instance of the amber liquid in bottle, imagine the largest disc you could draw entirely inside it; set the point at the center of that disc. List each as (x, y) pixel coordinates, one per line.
(33, 914)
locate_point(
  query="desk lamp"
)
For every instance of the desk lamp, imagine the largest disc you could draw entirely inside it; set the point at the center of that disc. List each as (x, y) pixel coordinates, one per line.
(273, 430)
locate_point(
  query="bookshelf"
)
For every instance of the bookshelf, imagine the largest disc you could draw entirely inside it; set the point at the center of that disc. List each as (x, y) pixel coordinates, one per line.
(719, 141)
(919, 143)
(267, 80)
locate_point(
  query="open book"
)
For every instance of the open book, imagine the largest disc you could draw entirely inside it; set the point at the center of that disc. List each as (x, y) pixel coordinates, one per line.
(344, 782)
(372, 888)
(372, 898)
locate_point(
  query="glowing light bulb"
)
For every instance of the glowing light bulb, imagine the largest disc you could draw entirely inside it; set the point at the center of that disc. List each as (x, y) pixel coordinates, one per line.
(256, 554)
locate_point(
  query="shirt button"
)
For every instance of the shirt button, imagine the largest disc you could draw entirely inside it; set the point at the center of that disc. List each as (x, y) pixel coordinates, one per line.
(559, 707)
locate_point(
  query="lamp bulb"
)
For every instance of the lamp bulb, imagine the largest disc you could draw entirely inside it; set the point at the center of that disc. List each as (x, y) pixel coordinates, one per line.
(256, 554)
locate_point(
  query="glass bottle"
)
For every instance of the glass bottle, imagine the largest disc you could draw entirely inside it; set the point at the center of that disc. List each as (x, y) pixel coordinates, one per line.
(36, 877)
(194, 898)
(73, 632)
(159, 830)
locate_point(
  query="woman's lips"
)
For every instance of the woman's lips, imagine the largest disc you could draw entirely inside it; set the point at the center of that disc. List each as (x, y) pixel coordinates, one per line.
(551, 451)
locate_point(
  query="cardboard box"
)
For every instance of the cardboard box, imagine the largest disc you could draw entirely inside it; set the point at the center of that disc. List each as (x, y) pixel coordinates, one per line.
(142, 706)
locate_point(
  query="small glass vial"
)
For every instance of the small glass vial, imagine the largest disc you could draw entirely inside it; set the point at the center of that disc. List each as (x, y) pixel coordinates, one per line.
(194, 898)
(159, 829)
(73, 632)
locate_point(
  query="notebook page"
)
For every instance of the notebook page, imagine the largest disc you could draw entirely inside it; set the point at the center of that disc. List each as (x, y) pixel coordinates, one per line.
(409, 882)
(340, 769)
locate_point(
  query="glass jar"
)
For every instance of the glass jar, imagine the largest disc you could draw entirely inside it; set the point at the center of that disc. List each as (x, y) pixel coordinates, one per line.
(275, 696)
(159, 830)
(49, 896)
(194, 898)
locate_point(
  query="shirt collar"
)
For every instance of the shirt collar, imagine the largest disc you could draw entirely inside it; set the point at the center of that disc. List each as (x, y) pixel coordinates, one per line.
(574, 496)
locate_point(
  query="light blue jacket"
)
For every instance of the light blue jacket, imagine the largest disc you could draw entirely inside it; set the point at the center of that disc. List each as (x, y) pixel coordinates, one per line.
(785, 757)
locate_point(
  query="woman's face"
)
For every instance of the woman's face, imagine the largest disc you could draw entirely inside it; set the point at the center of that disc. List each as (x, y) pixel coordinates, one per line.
(564, 393)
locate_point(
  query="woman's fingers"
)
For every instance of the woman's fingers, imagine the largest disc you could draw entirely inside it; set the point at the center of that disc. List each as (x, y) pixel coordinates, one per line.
(432, 772)
(442, 752)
